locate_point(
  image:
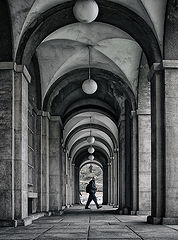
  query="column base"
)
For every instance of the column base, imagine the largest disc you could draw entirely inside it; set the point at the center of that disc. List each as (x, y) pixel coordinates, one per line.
(58, 212)
(8, 223)
(115, 205)
(123, 211)
(143, 212)
(162, 220)
(133, 213)
(29, 220)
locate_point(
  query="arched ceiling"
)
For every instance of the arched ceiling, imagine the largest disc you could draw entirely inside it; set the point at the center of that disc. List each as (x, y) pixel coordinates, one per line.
(63, 59)
(25, 12)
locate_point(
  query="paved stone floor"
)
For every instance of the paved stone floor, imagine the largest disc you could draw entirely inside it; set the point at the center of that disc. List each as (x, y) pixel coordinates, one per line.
(78, 223)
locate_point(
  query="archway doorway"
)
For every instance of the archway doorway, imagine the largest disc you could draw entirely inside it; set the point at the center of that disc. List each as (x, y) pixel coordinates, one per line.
(86, 173)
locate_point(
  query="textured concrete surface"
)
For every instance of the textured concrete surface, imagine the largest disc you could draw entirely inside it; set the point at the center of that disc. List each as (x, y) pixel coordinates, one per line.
(78, 223)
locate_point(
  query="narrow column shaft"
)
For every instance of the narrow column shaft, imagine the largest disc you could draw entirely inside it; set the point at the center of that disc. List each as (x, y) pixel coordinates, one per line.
(122, 159)
(158, 145)
(55, 198)
(45, 161)
(21, 82)
(109, 183)
(134, 163)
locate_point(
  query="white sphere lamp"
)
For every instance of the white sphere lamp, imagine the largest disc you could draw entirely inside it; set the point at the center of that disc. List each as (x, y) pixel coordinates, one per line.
(91, 157)
(91, 150)
(85, 11)
(89, 86)
(90, 139)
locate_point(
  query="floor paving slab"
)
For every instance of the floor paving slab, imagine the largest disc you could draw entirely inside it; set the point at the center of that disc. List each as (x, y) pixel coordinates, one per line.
(77, 223)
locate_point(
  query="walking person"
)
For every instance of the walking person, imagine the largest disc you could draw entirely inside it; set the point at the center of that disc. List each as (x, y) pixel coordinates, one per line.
(91, 189)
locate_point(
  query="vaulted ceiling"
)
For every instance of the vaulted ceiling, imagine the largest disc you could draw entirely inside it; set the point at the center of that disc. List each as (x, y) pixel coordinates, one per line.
(63, 59)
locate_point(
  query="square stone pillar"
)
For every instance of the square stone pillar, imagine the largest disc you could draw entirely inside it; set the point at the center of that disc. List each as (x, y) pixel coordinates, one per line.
(109, 183)
(134, 165)
(122, 166)
(14, 80)
(21, 81)
(171, 126)
(39, 160)
(45, 161)
(115, 161)
(144, 158)
(55, 164)
(64, 178)
(6, 144)
(158, 177)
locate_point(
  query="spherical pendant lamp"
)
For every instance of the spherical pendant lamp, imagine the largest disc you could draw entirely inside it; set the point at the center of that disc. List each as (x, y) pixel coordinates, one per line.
(90, 139)
(89, 86)
(85, 11)
(91, 149)
(91, 157)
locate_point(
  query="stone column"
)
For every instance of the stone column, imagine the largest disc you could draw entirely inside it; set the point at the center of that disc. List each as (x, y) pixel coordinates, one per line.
(73, 183)
(112, 181)
(39, 159)
(7, 144)
(21, 81)
(64, 177)
(109, 183)
(134, 171)
(105, 184)
(45, 161)
(158, 144)
(122, 159)
(55, 164)
(144, 158)
(115, 159)
(76, 185)
(171, 126)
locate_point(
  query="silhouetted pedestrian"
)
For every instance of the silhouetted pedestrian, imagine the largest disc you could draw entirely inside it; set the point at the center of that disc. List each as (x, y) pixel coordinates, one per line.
(91, 189)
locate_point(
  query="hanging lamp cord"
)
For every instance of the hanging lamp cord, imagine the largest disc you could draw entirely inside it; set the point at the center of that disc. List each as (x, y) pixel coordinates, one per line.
(89, 73)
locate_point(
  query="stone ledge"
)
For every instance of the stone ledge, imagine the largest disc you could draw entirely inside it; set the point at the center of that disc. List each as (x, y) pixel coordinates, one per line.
(162, 220)
(8, 223)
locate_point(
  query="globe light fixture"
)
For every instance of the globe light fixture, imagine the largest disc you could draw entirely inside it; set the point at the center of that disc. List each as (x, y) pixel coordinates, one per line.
(90, 139)
(91, 157)
(91, 149)
(85, 11)
(89, 86)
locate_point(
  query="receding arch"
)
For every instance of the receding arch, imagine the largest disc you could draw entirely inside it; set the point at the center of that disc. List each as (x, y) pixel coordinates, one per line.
(93, 162)
(85, 138)
(80, 74)
(110, 13)
(94, 126)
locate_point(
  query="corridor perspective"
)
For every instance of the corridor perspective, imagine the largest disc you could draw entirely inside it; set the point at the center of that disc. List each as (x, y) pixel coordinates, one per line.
(88, 89)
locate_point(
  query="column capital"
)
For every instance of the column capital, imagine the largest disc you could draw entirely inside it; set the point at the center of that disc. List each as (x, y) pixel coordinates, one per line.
(116, 150)
(43, 114)
(164, 64)
(134, 113)
(22, 69)
(156, 67)
(17, 68)
(56, 118)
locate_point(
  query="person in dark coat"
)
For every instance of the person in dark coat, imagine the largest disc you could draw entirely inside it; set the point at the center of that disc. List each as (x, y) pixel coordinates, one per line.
(92, 191)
